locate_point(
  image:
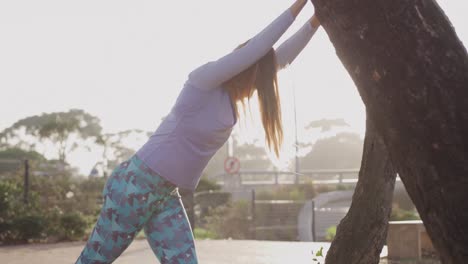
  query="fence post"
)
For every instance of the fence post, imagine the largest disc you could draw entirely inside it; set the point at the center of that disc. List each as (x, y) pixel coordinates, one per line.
(314, 237)
(26, 181)
(253, 224)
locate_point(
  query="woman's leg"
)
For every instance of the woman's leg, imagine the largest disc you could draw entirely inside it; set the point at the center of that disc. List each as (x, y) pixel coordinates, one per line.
(131, 197)
(169, 233)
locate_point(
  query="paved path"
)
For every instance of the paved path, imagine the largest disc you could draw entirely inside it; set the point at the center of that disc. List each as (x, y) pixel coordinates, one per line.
(209, 251)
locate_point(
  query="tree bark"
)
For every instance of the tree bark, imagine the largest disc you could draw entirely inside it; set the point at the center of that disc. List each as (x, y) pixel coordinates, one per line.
(363, 232)
(411, 71)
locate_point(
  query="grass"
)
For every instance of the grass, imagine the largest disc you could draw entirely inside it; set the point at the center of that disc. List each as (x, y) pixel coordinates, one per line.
(201, 233)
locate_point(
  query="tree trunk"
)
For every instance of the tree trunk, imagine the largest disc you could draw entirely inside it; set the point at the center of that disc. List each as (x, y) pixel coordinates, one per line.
(363, 232)
(411, 71)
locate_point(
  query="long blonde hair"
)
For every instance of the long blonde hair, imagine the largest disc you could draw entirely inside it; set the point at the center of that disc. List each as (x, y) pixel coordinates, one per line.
(261, 77)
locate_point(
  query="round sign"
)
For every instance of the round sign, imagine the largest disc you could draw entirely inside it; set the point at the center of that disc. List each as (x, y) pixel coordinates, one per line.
(231, 165)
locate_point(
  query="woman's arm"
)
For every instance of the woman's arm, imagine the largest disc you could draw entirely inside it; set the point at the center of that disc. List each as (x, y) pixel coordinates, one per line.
(290, 49)
(213, 74)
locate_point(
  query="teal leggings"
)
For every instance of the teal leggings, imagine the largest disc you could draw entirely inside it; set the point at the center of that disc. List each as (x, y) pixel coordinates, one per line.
(137, 198)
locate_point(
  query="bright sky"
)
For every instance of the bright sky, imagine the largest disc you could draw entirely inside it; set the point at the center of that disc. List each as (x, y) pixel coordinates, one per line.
(126, 62)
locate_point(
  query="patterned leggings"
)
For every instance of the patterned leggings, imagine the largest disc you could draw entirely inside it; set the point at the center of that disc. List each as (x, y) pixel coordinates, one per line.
(135, 197)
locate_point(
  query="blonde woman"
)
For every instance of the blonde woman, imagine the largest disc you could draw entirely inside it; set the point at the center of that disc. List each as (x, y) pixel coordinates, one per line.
(142, 193)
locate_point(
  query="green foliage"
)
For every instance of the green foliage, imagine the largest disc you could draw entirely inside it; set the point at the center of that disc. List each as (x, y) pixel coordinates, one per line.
(19, 222)
(73, 226)
(325, 188)
(318, 256)
(399, 214)
(277, 220)
(211, 200)
(40, 219)
(29, 227)
(115, 149)
(330, 233)
(342, 151)
(207, 201)
(88, 196)
(54, 231)
(207, 197)
(19, 154)
(207, 185)
(66, 226)
(230, 221)
(327, 124)
(12, 159)
(288, 192)
(9, 202)
(60, 128)
(251, 156)
(201, 233)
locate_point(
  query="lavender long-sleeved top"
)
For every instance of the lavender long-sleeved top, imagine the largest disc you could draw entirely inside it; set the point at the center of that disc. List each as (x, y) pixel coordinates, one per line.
(202, 118)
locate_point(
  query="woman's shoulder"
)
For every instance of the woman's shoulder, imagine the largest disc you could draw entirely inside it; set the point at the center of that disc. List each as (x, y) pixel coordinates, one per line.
(192, 98)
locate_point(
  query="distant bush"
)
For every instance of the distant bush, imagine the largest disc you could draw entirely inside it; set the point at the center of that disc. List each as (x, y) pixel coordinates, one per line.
(330, 233)
(230, 221)
(288, 192)
(73, 226)
(21, 222)
(207, 185)
(399, 214)
(322, 188)
(210, 200)
(201, 233)
(28, 227)
(208, 196)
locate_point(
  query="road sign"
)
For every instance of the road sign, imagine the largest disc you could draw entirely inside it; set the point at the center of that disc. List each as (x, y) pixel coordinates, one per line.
(231, 165)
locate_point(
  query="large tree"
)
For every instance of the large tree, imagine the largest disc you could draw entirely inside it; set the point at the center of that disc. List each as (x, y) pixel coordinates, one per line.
(362, 233)
(411, 71)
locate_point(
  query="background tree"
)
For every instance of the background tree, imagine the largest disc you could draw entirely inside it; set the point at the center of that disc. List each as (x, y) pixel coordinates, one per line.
(65, 130)
(342, 151)
(251, 155)
(8, 155)
(116, 147)
(411, 71)
(327, 124)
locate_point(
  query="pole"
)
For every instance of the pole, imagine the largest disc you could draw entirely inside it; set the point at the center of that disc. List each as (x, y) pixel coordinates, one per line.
(253, 225)
(26, 181)
(296, 180)
(314, 236)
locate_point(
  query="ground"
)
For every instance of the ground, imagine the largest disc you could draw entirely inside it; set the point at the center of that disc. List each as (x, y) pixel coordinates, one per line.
(209, 251)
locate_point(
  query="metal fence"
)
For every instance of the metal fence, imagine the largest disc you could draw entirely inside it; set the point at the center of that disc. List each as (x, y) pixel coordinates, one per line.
(250, 179)
(265, 219)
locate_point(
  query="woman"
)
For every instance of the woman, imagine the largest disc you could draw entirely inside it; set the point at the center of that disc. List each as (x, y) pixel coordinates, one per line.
(143, 191)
